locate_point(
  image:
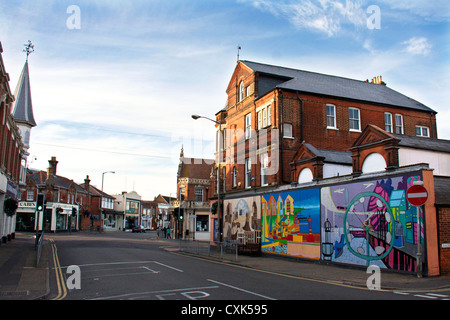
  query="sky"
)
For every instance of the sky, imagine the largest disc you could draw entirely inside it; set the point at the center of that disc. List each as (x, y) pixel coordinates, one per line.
(114, 83)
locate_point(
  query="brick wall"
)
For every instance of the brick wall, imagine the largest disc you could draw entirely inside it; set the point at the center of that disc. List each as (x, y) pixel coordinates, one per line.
(444, 237)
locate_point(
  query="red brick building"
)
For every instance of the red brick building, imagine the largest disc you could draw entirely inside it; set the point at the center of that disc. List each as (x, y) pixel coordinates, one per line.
(12, 151)
(273, 111)
(194, 189)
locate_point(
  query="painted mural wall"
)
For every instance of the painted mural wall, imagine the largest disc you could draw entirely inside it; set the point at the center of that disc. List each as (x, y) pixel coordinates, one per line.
(241, 215)
(370, 223)
(291, 223)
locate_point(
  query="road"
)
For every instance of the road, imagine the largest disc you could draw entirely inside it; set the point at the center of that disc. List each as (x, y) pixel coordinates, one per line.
(128, 266)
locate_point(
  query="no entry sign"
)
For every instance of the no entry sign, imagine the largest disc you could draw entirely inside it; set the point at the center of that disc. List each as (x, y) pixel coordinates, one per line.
(417, 195)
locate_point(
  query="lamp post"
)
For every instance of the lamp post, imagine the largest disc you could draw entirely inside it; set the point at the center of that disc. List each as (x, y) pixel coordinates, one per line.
(103, 176)
(196, 117)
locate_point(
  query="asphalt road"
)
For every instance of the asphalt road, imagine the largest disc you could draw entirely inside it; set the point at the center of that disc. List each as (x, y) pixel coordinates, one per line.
(128, 266)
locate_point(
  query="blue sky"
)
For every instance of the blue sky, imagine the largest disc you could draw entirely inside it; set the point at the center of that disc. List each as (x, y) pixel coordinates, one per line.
(116, 92)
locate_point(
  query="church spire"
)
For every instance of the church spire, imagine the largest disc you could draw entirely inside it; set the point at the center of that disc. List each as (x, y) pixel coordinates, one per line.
(23, 107)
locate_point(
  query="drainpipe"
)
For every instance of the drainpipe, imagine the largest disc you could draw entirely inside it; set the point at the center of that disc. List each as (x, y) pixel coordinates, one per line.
(301, 117)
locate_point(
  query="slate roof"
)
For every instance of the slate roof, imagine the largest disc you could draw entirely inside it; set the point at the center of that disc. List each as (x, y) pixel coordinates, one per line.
(23, 106)
(415, 142)
(333, 86)
(40, 178)
(332, 156)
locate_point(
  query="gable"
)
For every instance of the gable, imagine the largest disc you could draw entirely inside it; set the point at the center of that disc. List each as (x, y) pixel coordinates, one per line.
(373, 135)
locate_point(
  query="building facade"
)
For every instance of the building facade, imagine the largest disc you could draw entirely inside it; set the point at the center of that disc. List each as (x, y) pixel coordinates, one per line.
(191, 209)
(64, 201)
(305, 156)
(12, 153)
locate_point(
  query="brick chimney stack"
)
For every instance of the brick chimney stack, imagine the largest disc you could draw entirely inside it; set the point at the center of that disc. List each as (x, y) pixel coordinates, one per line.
(87, 183)
(51, 170)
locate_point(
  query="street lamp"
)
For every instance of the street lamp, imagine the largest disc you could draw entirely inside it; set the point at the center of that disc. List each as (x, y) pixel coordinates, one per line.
(103, 176)
(196, 117)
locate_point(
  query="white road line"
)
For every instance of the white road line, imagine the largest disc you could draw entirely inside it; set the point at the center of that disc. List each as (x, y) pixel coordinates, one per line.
(153, 292)
(165, 265)
(438, 295)
(423, 296)
(243, 290)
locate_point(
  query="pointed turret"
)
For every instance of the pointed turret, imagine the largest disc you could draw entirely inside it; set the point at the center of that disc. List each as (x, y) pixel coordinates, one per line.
(23, 106)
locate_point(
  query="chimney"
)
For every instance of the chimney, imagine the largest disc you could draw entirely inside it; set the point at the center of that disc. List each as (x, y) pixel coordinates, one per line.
(87, 183)
(377, 80)
(51, 170)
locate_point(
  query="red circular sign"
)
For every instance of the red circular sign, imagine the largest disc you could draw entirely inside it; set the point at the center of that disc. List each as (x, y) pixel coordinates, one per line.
(417, 195)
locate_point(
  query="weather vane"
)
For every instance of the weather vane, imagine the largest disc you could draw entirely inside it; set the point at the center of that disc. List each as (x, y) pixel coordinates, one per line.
(29, 48)
(239, 49)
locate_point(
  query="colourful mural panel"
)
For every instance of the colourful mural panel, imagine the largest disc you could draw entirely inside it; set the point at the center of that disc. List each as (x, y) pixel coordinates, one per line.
(240, 216)
(291, 223)
(370, 223)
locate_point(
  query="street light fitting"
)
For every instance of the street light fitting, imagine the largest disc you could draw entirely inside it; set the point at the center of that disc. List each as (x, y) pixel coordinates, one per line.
(196, 116)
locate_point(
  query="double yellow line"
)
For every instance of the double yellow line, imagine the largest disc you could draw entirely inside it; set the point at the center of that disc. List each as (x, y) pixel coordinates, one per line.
(60, 282)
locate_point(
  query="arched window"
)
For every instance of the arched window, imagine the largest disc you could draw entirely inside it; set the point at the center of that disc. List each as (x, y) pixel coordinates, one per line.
(241, 91)
(305, 175)
(374, 162)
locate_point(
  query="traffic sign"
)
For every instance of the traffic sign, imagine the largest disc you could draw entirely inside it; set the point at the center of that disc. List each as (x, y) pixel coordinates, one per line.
(417, 195)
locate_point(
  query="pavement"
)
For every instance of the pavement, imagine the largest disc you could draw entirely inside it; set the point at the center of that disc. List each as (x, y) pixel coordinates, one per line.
(22, 279)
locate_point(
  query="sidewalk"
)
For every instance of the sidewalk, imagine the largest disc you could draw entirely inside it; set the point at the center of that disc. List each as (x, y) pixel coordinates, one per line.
(20, 278)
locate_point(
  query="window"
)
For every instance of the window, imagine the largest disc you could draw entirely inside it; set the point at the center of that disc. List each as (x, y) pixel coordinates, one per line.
(287, 130)
(247, 91)
(387, 122)
(354, 119)
(248, 172)
(264, 169)
(202, 223)
(30, 195)
(399, 124)
(264, 117)
(234, 177)
(331, 116)
(199, 193)
(422, 131)
(241, 91)
(248, 126)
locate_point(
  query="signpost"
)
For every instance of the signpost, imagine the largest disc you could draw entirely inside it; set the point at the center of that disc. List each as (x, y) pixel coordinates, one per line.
(417, 195)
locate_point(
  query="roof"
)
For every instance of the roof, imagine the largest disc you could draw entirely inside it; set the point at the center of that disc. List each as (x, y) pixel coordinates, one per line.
(334, 86)
(96, 192)
(196, 168)
(416, 142)
(23, 106)
(442, 190)
(331, 156)
(40, 178)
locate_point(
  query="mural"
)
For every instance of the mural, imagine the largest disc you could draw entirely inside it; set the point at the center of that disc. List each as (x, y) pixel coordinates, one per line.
(291, 223)
(241, 215)
(370, 223)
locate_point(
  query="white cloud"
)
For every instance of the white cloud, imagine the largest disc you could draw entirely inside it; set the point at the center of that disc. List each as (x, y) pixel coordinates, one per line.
(417, 46)
(324, 16)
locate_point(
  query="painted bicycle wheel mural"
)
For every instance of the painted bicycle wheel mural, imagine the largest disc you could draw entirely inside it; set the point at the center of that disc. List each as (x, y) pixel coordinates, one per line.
(370, 223)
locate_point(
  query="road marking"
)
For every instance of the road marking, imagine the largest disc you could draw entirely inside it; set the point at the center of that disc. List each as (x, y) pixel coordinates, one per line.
(156, 293)
(61, 284)
(240, 289)
(165, 265)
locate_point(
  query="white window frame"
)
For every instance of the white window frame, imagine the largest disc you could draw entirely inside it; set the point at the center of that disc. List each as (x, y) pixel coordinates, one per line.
(234, 176)
(399, 123)
(329, 116)
(241, 91)
(288, 130)
(354, 120)
(421, 129)
(264, 169)
(248, 126)
(388, 122)
(248, 173)
(30, 195)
